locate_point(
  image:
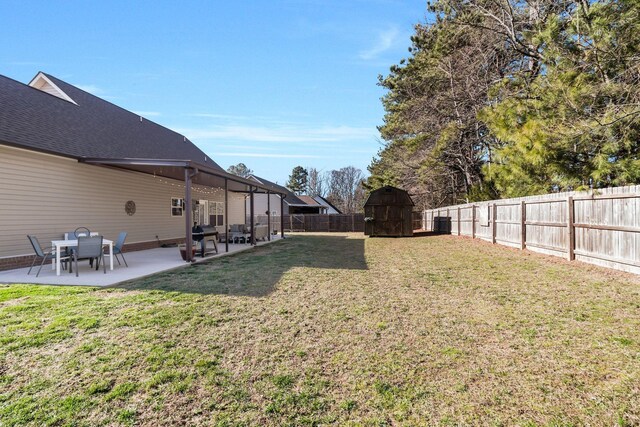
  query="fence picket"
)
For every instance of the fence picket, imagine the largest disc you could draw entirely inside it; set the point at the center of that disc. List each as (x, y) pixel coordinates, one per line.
(600, 227)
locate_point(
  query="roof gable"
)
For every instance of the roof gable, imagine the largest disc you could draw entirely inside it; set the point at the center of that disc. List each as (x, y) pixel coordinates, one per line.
(323, 201)
(43, 83)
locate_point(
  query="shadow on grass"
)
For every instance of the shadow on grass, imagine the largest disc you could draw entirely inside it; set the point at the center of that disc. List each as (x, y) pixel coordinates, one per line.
(256, 272)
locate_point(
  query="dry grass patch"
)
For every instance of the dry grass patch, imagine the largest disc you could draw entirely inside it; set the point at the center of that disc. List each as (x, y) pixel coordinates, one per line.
(331, 329)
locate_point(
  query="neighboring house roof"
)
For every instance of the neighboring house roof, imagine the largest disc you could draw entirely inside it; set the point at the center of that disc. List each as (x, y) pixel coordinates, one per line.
(309, 200)
(321, 200)
(55, 117)
(290, 199)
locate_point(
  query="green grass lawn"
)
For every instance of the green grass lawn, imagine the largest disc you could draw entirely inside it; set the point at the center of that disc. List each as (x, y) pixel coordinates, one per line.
(331, 329)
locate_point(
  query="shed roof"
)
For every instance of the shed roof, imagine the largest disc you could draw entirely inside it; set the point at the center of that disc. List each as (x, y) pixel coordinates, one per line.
(389, 196)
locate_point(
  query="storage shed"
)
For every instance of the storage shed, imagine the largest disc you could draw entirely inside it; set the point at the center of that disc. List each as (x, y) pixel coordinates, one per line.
(387, 212)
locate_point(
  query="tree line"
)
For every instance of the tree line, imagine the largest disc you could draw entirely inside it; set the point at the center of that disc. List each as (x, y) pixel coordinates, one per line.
(506, 98)
(343, 188)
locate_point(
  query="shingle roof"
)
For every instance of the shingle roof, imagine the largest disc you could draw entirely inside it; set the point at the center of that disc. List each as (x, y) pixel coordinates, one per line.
(33, 119)
(309, 200)
(290, 199)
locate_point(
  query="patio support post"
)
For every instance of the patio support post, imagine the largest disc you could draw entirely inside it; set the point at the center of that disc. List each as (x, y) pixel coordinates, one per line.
(226, 215)
(269, 215)
(187, 210)
(253, 228)
(282, 215)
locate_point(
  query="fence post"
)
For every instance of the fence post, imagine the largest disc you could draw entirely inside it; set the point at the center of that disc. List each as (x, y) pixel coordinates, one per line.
(571, 232)
(458, 220)
(449, 231)
(494, 213)
(473, 221)
(523, 225)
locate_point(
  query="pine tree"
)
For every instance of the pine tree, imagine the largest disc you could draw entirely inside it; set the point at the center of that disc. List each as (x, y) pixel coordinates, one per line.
(298, 180)
(577, 124)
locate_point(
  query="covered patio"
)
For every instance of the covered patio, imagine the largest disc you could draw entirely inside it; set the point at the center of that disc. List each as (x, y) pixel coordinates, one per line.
(141, 264)
(196, 173)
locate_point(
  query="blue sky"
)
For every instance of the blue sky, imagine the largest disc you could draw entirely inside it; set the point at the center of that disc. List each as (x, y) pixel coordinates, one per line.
(272, 84)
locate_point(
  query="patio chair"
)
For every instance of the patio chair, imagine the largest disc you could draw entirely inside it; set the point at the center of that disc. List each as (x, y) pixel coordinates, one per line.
(89, 248)
(238, 232)
(81, 231)
(73, 235)
(69, 235)
(40, 253)
(117, 247)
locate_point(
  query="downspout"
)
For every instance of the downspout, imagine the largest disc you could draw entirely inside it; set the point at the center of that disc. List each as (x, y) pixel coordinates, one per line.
(282, 196)
(269, 215)
(226, 214)
(188, 212)
(252, 222)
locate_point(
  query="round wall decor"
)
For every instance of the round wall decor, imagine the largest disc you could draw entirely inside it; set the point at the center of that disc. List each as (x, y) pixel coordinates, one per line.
(130, 207)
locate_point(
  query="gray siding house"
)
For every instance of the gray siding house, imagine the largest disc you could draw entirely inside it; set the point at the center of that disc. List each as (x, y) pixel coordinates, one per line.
(71, 159)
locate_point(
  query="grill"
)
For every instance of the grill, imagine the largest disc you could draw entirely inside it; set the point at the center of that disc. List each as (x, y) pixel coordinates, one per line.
(209, 233)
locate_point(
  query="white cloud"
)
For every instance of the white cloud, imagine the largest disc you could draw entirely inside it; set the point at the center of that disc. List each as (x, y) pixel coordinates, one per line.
(245, 147)
(218, 116)
(148, 113)
(270, 155)
(95, 90)
(386, 40)
(290, 134)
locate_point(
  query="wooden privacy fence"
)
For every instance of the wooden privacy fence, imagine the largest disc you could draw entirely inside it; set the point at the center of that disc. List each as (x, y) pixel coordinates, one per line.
(599, 227)
(313, 222)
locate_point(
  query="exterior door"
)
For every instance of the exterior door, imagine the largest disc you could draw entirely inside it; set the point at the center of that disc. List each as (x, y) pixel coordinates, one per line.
(201, 212)
(388, 221)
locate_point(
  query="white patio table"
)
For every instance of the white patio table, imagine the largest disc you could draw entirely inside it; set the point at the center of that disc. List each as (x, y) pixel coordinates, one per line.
(58, 244)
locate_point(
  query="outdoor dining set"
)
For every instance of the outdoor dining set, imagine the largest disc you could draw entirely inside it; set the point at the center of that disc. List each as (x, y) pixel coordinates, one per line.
(77, 245)
(240, 233)
(82, 244)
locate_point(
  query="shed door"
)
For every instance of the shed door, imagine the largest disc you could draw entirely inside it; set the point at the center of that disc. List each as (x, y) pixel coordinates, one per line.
(388, 220)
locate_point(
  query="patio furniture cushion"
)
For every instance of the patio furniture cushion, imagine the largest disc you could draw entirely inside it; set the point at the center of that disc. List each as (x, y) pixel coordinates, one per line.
(262, 232)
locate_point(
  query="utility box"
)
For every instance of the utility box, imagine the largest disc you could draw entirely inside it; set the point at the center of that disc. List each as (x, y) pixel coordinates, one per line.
(388, 212)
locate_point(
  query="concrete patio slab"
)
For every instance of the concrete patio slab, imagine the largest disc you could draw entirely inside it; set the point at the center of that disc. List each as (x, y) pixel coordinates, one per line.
(141, 264)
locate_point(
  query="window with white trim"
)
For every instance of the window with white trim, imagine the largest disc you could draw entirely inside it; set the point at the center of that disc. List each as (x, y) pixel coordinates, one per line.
(177, 206)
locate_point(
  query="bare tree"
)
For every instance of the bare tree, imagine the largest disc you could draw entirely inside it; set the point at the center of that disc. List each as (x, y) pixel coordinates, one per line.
(316, 183)
(346, 189)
